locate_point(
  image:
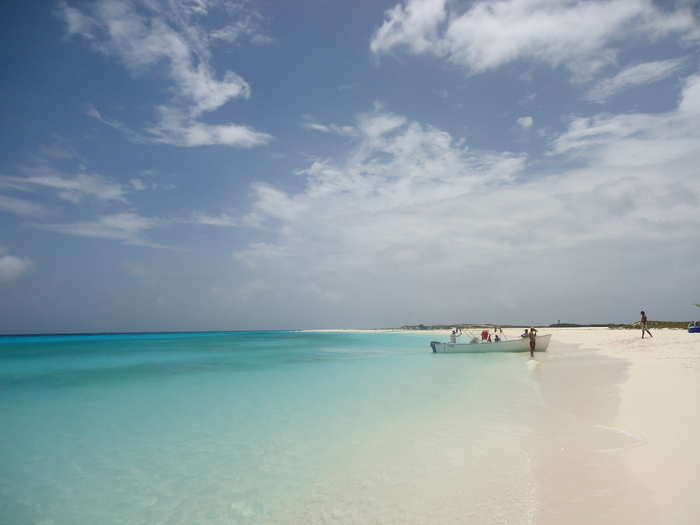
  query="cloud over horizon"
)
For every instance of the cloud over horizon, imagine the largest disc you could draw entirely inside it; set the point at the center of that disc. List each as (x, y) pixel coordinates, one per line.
(11, 266)
(410, 215)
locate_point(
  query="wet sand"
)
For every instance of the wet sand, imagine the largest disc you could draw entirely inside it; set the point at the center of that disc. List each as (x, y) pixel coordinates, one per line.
(625, 412)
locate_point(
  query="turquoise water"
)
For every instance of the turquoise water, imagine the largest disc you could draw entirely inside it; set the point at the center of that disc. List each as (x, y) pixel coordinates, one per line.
(261, 427)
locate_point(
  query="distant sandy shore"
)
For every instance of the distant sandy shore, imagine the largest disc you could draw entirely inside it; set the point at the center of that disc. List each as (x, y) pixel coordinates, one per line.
(618, 439)
(444, 333)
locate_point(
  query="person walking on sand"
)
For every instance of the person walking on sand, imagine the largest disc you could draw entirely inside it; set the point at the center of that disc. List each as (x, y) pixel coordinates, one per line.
(533, 341)
(643, 324)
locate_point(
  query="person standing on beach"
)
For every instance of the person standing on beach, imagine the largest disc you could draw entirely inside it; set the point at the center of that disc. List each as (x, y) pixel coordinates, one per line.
(643, 324)
(533, 341)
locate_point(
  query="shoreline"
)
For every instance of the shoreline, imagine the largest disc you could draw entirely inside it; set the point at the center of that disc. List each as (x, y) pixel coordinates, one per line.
(577, 445)
(621, 415)
(616, 440)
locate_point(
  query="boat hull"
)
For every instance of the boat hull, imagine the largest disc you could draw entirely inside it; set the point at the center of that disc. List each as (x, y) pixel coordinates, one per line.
(514, 345)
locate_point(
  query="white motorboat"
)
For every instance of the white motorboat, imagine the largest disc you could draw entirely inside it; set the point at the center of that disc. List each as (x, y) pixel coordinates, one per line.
(521, 344)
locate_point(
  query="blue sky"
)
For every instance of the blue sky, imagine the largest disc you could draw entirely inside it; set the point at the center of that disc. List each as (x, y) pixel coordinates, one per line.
(213, 164)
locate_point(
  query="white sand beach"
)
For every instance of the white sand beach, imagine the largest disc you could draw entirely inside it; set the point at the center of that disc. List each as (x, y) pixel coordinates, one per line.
(618, 435)
(636, 400)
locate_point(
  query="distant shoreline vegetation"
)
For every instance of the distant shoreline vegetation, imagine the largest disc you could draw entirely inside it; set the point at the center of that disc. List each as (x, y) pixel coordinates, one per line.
(616, 326)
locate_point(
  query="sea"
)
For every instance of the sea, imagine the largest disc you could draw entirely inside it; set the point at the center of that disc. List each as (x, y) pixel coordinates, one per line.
(262, 427)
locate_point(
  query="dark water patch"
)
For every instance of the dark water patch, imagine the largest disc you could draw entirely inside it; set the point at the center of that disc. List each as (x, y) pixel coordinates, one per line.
(81, 362)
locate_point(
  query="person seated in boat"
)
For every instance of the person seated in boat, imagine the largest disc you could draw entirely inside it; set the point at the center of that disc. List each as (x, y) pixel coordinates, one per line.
(497, 339)
(454, 335)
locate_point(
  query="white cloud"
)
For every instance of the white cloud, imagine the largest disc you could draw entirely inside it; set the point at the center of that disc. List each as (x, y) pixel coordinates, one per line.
(223, 220)
(77, 23)
(230, 33)
(137, 184)
(525, 122)
(336, 129)
(391, 202)
(638, 138)
(143, 41)
(21, 207)
(248, 25)
(11, 266)
(374, 125)
(93, 112)
(146, 33)
(487, 34)
(636, 75)
(72, 188)
(128, 227)
(411, 221)
(178, 130)
(315, 126)
(414, 24)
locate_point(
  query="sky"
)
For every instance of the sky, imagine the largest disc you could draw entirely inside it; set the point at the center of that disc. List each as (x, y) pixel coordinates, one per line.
(234, 164)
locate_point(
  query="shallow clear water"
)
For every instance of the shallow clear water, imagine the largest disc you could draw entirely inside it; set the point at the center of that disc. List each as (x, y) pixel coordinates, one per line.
(261, 427)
